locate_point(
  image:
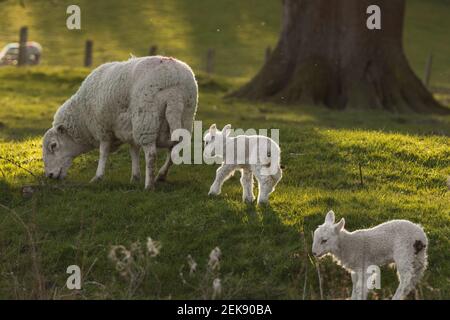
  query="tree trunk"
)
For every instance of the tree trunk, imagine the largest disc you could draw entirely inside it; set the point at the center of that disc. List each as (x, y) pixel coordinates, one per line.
(327, 55)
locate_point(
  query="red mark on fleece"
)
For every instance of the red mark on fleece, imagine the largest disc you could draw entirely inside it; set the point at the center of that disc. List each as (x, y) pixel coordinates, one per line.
(166, 59)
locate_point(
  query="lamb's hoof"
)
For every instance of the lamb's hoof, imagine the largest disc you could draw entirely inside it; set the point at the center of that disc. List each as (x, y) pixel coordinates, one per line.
(96, 179)
(150, 187)
(135, 179)
(263, 203)
(213, 193)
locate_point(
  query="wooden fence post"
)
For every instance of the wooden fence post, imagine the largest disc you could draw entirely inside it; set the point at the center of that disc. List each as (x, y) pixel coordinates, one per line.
(152, 51)
(88, 53)
(210, 61)
(23, 38)
(268, 53)
(428, 70)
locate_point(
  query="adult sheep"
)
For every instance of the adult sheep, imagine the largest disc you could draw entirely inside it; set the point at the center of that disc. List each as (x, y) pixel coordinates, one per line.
(140, 102)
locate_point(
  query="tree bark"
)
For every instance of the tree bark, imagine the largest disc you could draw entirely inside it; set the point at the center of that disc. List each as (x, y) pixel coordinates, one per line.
(326, 55)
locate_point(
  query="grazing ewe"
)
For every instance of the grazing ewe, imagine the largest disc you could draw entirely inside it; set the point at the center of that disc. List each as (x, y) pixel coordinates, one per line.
(140, 102)
(397, 241)
(252, 155)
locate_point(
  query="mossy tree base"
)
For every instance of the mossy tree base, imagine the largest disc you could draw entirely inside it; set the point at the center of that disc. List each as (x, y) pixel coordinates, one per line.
(327, 56)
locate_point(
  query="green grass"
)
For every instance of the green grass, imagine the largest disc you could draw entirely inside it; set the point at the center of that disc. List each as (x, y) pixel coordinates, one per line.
(184, 29)
(405, 162)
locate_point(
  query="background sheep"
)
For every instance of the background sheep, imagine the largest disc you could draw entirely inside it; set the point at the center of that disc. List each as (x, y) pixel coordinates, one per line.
(254, 155)
(140, 102)
(397, 241)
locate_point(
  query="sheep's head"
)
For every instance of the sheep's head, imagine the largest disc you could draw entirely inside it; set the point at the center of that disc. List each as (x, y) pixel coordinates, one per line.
(326, 236)
(58, 151)
(215, 141)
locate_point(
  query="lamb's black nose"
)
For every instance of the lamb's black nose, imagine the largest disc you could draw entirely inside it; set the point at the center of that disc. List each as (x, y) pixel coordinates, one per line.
(50, 175)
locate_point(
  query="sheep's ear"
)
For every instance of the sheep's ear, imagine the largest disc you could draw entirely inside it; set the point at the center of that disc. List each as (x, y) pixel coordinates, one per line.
(330, 217)
(340, 225)
(60, 129)
(227, 130)
(213, 128)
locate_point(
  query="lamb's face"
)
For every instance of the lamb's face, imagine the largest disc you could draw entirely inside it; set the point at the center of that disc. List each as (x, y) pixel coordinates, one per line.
(326, 236)
(215, 141)
(58, 151)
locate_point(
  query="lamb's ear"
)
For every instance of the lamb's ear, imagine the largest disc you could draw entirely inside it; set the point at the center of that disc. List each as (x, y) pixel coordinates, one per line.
(340, 225)
(213, 128)
(60, 129)
(330, 217)
(226, 130)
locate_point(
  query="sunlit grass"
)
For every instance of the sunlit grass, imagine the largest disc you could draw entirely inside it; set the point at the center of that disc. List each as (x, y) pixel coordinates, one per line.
(405, 161)
(239, 31)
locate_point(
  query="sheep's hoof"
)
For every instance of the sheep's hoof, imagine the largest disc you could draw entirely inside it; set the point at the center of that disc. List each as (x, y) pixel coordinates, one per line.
(161, 177)
(249, 200)
(150, 187)
(135, 179)
(213, 193)
(96, 179)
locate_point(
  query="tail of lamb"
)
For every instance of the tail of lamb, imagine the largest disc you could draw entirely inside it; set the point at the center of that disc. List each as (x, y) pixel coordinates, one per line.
(419, 264)
(420, 261)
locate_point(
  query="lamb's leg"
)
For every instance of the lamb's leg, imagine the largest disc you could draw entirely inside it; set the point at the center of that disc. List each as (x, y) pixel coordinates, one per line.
(150, 161)
(265, 187)
(360, 289)
(222, 174)
(103, 157)
(365, 289)
(135, 168)
(405, 275)
(162, 173)
(247, 185)
(355, 284)
(266, 184)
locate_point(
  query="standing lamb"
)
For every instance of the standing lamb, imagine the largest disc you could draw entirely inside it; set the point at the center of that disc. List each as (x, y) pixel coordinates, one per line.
(253, 155)
(140, 102)
(397, 241)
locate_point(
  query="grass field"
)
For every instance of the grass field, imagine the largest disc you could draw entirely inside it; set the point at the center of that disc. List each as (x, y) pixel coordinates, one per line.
(405, 162)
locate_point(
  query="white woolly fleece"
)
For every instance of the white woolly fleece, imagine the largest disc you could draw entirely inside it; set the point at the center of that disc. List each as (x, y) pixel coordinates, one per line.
(131, 102)
(398, 242)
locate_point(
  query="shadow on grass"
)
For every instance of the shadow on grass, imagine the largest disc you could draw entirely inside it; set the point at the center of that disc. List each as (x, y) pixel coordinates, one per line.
(77, 224)
(321, 117)
(263, 253)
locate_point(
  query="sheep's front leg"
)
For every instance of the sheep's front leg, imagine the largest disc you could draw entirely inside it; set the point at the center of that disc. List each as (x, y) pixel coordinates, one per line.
(150, 161)
(103, 157)
(222, 174)
(135, 168)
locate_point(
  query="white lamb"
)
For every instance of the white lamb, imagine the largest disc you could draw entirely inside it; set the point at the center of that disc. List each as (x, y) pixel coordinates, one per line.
(140, 102)
(253, 155)
(397, 241)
